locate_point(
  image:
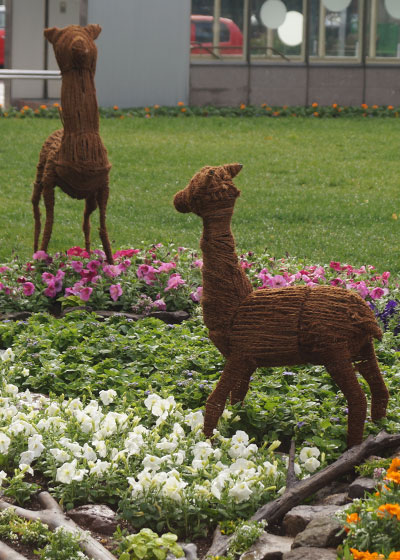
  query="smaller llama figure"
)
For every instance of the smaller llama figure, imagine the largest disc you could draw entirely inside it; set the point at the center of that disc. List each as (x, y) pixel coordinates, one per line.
(74, 158)
(322, 325)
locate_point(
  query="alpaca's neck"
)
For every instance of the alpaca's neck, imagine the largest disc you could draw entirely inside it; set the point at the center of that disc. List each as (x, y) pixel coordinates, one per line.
(79, 103)
(225, 284)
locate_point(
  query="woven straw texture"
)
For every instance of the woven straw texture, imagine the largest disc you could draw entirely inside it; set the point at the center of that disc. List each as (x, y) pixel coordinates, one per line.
(323, 325)
(74, 158)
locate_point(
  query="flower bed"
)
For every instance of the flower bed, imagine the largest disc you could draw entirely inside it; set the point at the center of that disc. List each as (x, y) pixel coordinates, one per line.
(181, 110)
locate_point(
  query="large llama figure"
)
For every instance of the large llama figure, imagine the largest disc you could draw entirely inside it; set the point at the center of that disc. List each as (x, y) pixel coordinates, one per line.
(74, 158)
(323, 325)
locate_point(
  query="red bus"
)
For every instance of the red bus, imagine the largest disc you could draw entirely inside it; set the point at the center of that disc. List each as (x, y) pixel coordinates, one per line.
(201, 36)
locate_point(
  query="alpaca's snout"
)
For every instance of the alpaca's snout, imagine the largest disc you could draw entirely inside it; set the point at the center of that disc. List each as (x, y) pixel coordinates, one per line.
(233, 169)
(181, 202)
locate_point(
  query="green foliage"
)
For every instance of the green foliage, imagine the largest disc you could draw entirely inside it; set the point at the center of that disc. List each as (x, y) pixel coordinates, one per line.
(13, 528)
(147, 545)
(19, 489)
(62, 545)
(244, 535)
(373, 467)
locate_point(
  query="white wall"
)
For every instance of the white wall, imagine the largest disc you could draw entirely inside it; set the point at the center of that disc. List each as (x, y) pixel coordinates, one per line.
(144, 51)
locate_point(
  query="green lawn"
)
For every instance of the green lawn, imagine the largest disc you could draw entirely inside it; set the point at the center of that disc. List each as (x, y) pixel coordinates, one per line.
(319, 189)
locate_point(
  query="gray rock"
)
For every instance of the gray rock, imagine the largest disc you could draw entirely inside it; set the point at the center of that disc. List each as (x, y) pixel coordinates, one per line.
(189, 549)
(335, 500)
(362, 486)
(320, 532)
(98, 518)
(297, 519)
(219, 543)
(329, 490)
(268, 547)
(309, 553)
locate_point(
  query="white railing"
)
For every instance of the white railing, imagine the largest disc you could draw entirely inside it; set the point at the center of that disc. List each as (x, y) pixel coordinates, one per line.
(12, 74)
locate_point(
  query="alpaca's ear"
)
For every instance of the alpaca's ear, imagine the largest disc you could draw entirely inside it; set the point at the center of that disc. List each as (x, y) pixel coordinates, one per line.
(94, 30)
(209, 177)
(233, 169)
(52, 34)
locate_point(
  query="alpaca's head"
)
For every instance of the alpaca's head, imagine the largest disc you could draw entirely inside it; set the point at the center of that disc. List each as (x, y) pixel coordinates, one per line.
(209, 190)
(74, 46)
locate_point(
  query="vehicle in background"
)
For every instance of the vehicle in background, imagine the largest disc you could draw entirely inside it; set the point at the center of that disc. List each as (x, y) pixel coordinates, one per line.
(2, 34)
(201, 36)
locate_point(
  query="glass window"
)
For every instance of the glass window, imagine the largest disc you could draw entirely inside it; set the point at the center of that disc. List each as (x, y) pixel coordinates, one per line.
(276, 29)
(384, 39)
(217, 28)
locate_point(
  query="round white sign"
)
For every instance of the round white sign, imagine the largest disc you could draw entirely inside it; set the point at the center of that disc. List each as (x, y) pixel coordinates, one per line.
(291, 32)
(336, 5)
(273, 13)
(393, 8)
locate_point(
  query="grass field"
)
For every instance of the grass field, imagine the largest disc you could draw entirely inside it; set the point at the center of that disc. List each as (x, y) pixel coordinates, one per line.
(319, 189)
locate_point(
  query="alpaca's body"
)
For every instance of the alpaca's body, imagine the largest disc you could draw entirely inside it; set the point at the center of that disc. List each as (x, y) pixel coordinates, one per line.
(276, 327)
(74, 158)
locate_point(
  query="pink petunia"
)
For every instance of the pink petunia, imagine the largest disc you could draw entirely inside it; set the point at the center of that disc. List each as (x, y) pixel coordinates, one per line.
(47, 277)
(335, 265)
(166, 267)
(85, 293)
(196, 295)
(28, 288)
(160, 304)
(385, 277)
(126, 253)
(377, 293)
(4, 269)
(50, 291)
(336, 282)
(361, 288)
(77, 252)
(174, 281)
(198, 263)
(93, 265)
(77, 266)
(279, 281)
(124, 265)
(115, 291)
(147, 273)
(111, 270)
(41, 256)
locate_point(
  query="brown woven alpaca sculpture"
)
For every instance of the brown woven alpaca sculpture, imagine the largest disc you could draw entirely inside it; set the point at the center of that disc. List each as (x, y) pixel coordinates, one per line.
(323, 325)
(74, 158)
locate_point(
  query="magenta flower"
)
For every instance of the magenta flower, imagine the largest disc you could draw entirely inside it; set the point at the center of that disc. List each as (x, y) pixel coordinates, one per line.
(50, 291)
(335, 265)
(28, 288)
(174, 281)
(93, 266)
(41, 256)
(147, 273)
(85, 293)
(4, 269)
(198, 263)
(385, 277)
(47, 277)
(126, 253)
(77, 266)
(166, 267)
(361, 288)
(115, 291)
(160, 304)
(77, 252)
(111, 270)
(124, 265)
(279, 281)
(377, 293)
(336, 282)
(196, 295)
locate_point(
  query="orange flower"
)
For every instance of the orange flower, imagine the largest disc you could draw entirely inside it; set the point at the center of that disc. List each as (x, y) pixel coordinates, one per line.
(393, 472)
(156, 106)
(284, 107)
(115, 107)
(147, 110)
(56, 105)
(390, 107)
(6, 114)
(22, 111)
(316, 114)
(314, 105)
(183, 109)
(392, 509)
(364, 106)
(334, 105)
(394, 555)
(374, 106)
(147, 116)
(26, 107)
(361, 555)
(275, 114)
(43, 106)
(180, 103)
(242, 106)
(263, 105)
(36, 111)
(353, 518)
(122, 116)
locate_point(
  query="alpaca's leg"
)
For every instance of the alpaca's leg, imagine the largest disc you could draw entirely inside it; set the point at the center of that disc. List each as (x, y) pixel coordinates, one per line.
(341, 369)
(369, 369)
(90, 206)
(48, 197)
(239, 391)
(236, 369)
(102, 198)
(36, 194)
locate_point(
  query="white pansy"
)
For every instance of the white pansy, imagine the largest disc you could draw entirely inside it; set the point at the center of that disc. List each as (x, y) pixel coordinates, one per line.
(26, 458)
(21, 427)
(53, 409)
(198, 464)
(11, 389)
(8, 412)
(177, 431)
(3, 477)
(54, 423)
(167, 445)
(202, 450)
(120, 456)
(308, 452)
(172, 488)
(4, 443)
(158, 478)
(60, 455)
(68, 472)
(151, 400)
(297, 469)
(136, 487)
(162, 407)
(25, 468)
(227, 414)
(217, 454)
(241, 465)
(75, 404)
(86, 422)
(8, 355)
(195, 420)
(107, 397)
(73, 446)
(312, 464)
(152, 462)
(237, 450)
(201, 490)
(241, 492)
(35, 445)
(25, 372)
(179, 457)
(145, 477)
(218, 484)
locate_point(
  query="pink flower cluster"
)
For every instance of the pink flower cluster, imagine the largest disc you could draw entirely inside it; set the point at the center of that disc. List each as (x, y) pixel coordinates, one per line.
(150, 275)
(54, 283)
